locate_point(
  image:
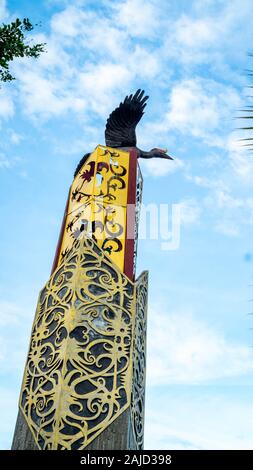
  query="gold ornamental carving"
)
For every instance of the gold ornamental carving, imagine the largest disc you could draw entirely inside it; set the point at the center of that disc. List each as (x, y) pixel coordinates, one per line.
(98, 203)
(78, 375)
(139, 360)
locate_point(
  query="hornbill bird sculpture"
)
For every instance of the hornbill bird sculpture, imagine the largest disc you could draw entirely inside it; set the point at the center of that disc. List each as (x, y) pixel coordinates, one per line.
(120, 128)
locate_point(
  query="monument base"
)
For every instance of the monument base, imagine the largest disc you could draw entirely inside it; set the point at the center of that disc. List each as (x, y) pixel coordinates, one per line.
(84, 381)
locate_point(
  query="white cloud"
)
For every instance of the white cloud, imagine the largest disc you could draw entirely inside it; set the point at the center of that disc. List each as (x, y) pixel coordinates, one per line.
(185, 350)
(139, 17)
(242, 166)
(10, 313)
(2, 350)
(144, 63)
(69, 21)
(16, 138)
(228, 227)
(9, 161)
(6, 104)
(46, 96)
(101, 82)
(3, 10)
(196, 33)
(161, 167)
(9, 411)
(96, 33)
(231, 212)
(91, 57)
(190, 211)
(106, 40)
(206, 34)
(201, 418)
(4, 161)
(191, 110)
(198, 106)
(205, 182)
(102, 47)
(55, 59)
(227, 202)
(15, 322)
(241, 160)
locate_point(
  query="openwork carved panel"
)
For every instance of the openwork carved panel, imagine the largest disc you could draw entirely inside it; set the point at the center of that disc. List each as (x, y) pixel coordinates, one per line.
(98, 203)
(78, 376)
(139, 360)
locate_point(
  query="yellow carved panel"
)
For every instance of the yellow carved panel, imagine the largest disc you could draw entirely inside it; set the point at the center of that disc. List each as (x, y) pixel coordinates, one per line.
(98, 203)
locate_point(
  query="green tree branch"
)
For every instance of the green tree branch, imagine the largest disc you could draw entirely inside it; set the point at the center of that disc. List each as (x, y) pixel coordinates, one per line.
(13, 44)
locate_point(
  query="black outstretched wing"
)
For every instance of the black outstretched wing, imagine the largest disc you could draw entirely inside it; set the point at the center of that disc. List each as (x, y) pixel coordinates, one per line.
(121, 124)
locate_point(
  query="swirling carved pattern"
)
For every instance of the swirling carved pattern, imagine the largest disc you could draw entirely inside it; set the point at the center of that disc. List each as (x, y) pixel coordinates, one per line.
(98, 203)
(139, 360)
(78, 376)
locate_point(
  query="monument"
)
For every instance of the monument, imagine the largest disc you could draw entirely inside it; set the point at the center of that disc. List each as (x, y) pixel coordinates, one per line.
(84, 379)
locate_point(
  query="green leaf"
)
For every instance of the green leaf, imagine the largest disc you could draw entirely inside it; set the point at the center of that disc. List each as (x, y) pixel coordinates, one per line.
(13, 44)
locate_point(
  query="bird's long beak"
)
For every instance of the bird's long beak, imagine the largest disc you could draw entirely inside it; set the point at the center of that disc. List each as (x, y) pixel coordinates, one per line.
(168, 157)
(164, 151)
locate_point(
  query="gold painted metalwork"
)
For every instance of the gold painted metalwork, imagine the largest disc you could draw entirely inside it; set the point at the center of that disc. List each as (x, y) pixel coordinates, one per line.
(98, 203)
(78, 375)
(139, 360)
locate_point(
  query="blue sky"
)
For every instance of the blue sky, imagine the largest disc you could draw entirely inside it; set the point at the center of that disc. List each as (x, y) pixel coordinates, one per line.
(190, 57)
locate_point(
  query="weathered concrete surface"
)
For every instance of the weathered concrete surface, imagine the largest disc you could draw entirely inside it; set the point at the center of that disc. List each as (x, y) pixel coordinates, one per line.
(118, 436)
(23, 438)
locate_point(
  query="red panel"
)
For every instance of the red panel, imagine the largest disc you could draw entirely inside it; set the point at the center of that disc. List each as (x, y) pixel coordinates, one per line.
(130, 217)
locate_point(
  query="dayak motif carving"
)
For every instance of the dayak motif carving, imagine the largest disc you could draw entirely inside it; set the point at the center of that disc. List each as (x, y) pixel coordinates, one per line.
(98, 203)
(78, 375)
(139, 360)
